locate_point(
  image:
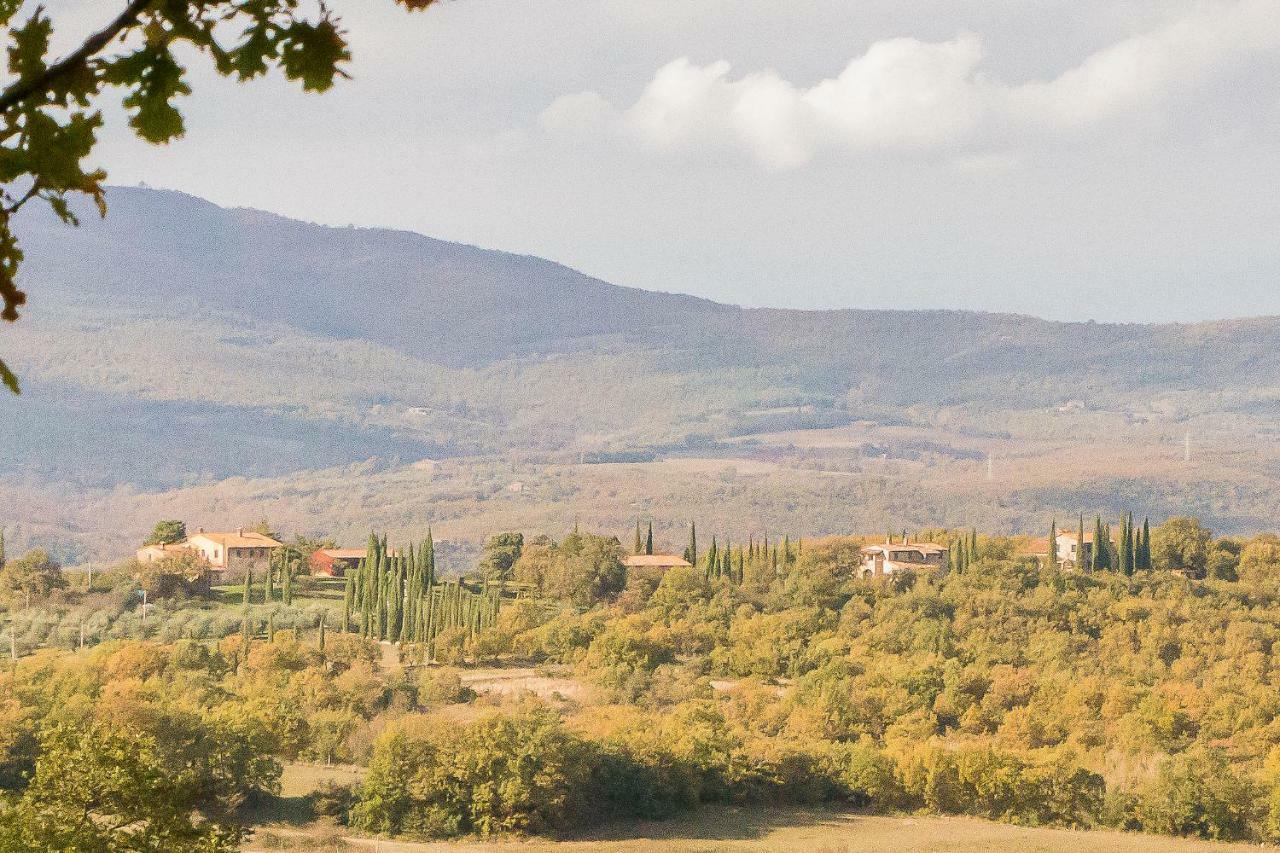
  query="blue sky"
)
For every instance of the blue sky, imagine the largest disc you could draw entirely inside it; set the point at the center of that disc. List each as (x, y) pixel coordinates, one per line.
(1072, 160)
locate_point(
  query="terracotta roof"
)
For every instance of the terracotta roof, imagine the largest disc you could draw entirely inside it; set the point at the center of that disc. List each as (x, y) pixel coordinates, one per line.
(239, 539)
(662, 561)
(344, 553)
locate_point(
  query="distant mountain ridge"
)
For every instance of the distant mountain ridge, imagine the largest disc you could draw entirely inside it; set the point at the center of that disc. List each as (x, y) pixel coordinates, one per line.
(179, 346)
(465, 307)
(446, 302)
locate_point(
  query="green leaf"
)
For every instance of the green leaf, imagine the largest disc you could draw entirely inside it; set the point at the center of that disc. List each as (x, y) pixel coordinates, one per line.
(8, 378)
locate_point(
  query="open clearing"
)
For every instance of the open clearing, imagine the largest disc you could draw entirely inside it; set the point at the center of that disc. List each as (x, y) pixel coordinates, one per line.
(802, 831)
(287, 825)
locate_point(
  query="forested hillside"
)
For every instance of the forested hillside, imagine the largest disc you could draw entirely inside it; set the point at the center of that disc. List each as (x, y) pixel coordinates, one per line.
(766, 674)
(240, 352)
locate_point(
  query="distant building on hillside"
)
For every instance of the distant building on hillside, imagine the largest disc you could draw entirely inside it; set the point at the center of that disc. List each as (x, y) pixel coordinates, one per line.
(335, 562)
(657, 562)
(230, 555)
(1071, 554)
(884, 560)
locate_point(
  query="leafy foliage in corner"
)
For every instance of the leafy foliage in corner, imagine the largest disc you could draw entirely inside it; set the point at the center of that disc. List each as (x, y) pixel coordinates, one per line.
(48, 126)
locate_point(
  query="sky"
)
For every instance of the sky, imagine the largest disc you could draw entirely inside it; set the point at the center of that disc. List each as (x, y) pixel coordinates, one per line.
(1114, 160)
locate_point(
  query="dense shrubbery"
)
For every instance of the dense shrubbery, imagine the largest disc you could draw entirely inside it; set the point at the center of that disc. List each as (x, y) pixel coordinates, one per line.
(1006, 691)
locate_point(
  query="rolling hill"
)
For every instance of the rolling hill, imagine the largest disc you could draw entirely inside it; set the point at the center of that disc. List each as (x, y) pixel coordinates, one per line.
(184, 358)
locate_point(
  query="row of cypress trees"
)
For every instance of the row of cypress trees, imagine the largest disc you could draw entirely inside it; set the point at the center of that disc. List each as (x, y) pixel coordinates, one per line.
(280, 565)
(1127, 553)
(757, 557)
(395, 595)
(963, 552)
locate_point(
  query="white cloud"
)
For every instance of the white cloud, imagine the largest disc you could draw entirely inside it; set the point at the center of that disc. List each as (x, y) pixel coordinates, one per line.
(906, 94)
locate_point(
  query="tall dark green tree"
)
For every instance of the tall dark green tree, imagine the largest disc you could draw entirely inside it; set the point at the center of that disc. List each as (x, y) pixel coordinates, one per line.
(1144, 551)
(1080, 546)
(648, 540)
(1099, 551)
(690, 553)
(348, 600)
(1053, 543)
(268, 587)
(286, 573)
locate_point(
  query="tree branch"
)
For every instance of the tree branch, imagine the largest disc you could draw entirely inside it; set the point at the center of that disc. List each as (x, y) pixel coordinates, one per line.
(23, 89)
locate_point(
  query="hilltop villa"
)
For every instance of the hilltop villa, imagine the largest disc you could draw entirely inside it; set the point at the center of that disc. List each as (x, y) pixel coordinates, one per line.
(229, 555)
(884, 560)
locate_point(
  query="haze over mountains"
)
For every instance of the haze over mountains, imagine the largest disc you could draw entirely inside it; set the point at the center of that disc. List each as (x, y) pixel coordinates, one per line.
(183, 358)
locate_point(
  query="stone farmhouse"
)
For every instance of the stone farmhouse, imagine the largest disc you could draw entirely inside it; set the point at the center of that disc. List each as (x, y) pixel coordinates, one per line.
(229, 555)
(880, 561)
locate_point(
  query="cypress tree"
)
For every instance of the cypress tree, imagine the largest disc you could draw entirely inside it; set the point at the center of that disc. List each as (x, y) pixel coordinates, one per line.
(348, 598)
(1098, 556)
(1080, 546)
(432, 574)
(1053, 543)
(648, 540)
(691, 553)
(1122, 546)
(1131, 548)
(268, 586)
(1146, 544)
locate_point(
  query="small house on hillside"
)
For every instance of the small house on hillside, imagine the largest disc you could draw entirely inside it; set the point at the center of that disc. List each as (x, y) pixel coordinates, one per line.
(1072, 552)
(335, 562)
(883, 560)
(230, 555)
(652, 566)
(654, 561)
